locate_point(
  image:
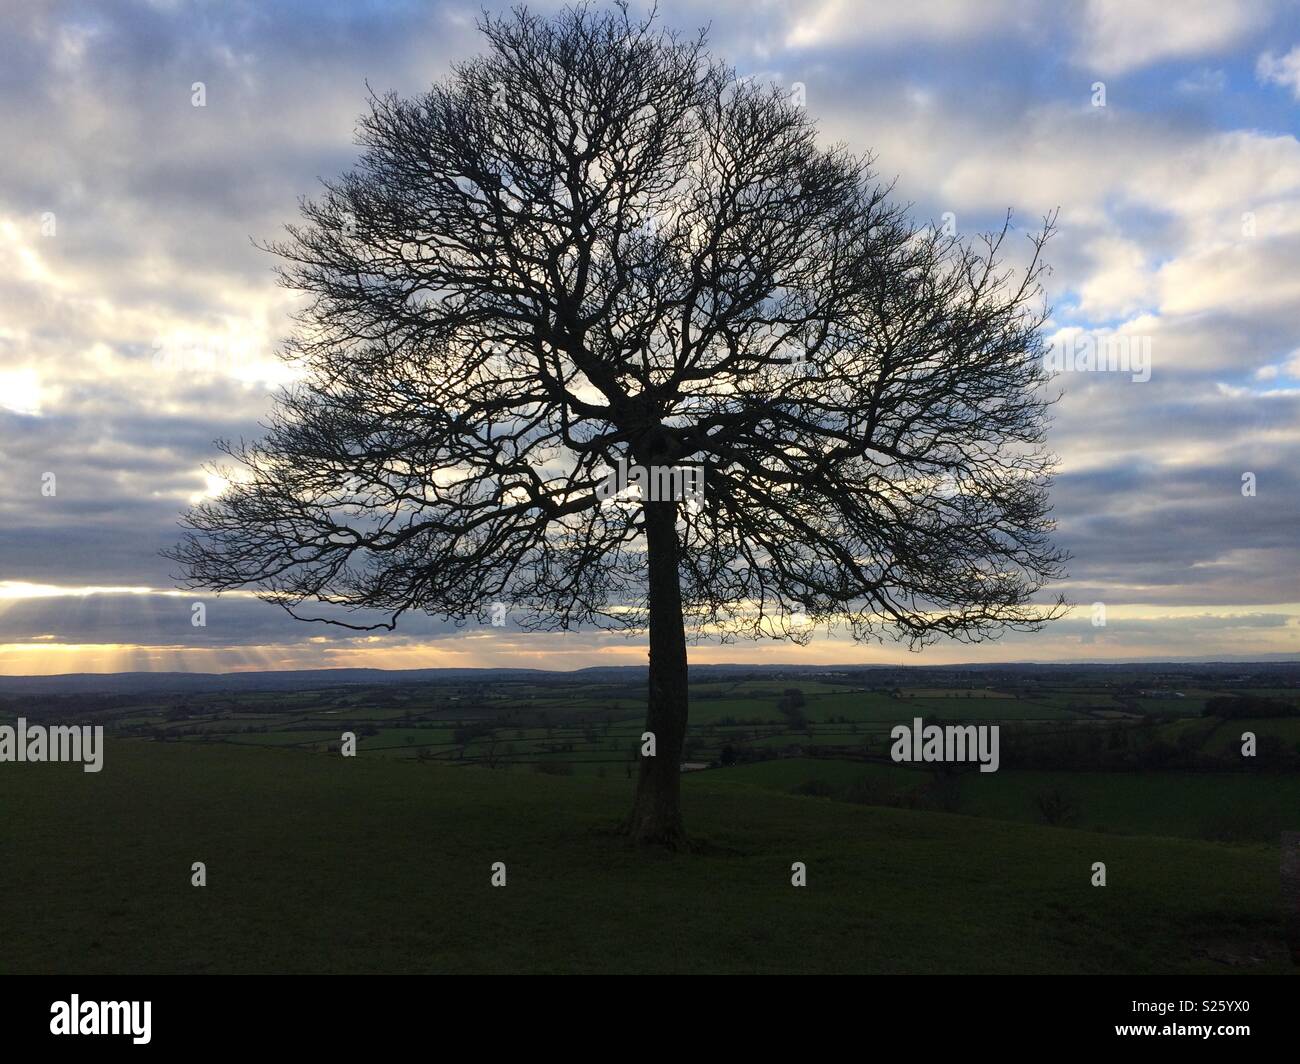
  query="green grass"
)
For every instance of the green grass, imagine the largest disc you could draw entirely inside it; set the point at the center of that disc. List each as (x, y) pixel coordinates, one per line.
(284, 738)
(1244, 807)
(855, 705)
(787, 774)
(1227, 737)
(992, 710)
(714, 710)
(319, 863)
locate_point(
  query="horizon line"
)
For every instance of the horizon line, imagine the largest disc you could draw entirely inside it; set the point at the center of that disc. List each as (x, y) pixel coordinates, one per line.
(974, 666)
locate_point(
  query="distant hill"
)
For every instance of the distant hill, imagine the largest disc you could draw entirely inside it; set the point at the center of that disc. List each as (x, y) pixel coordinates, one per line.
(305, 679)
(295, 680)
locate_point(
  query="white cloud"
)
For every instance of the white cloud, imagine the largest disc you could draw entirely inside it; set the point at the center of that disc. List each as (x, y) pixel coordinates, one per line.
(838, 21)
(1123, 35)
(1203, 81)
(21, 391)
(1121, 281)
(1248, 277)
(1281, 70)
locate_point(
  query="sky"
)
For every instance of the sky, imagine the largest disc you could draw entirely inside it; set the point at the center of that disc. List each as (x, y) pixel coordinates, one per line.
(139, 323)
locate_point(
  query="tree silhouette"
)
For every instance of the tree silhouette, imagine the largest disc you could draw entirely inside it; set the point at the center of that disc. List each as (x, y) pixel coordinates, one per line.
(595, 249)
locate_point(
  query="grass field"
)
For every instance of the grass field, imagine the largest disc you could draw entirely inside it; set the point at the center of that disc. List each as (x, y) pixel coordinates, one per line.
(325, 864)
(1244, 807)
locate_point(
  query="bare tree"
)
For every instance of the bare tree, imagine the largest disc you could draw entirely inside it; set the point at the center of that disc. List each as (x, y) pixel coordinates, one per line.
(596, 245)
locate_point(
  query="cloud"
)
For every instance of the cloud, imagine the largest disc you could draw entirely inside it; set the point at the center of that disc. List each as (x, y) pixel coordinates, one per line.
(1281, 70)
(138, 322)
(1123, 35)
(1245, 278)
(1204, 80)
(821, 22)
(1120, 282)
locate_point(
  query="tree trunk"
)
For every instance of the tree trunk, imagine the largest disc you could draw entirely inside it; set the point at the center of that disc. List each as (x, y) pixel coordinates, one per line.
(656, 812)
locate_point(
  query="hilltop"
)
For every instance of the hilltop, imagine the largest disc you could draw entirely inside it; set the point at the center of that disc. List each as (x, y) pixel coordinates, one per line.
(319, 863)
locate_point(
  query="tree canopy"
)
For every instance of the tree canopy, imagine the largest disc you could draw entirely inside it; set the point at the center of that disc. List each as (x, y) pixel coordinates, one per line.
(596, 244)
